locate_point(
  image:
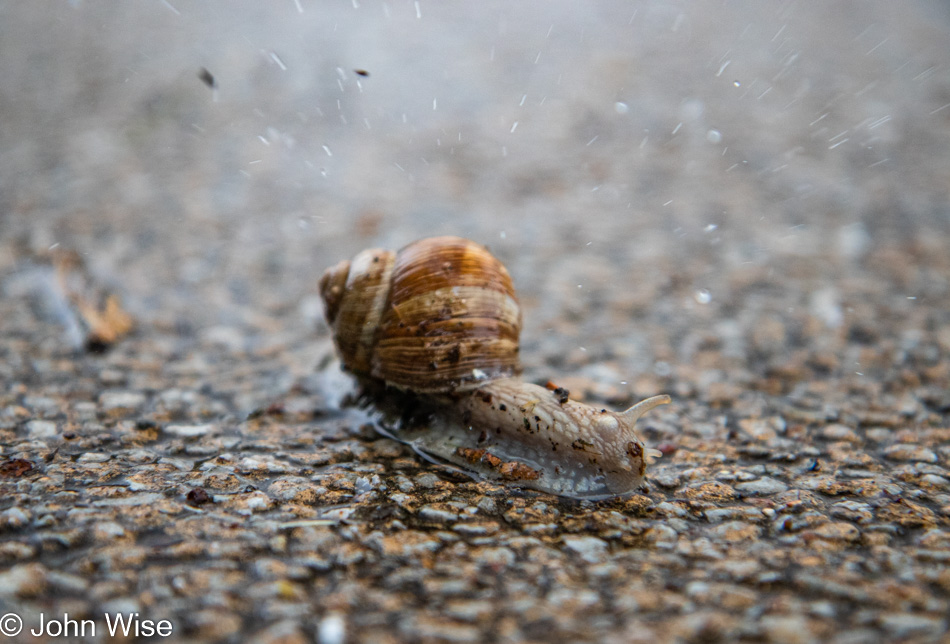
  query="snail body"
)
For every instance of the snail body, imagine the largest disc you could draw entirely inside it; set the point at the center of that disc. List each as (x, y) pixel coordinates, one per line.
(440, 319)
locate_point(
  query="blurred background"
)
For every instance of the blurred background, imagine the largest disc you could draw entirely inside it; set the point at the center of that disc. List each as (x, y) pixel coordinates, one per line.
(213, 158)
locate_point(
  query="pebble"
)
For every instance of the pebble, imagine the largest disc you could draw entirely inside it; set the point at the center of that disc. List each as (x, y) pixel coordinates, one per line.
(283, 632)
(41, 429)
(23, 580)
(661, 536)
(718, 515)
(765, 486)
(108, 531)
(735, 531)
(474, 529)
(14, 518)
(838, 432)
(494, 557)
(787, 630)
(121, 402)
(904, 625)
(332, 629)
(437, 514)
(590, 549)
(188, 431)
(852, 511)
(838, 531)
(910, 452)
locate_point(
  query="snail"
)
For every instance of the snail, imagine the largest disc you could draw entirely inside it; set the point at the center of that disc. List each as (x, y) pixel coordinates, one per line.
(440, 319)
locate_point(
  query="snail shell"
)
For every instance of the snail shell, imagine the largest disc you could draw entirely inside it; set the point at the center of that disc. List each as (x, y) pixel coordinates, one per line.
(438, 316)
(440, 319)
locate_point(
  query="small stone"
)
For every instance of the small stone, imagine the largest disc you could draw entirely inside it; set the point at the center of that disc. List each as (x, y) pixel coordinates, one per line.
(331, 629)
(838, 531)
(790, 629)
(107, 531)
(469, 610)
(72, 584)
(188, 431)
(590, 549)
(910, 452)
(427, 480)
(763, 429)
(718, 515)
(121, 402)
(437, 514)
(24, 580)
(41, 429)
(215, 625)
(661, 536)
(711, 491)
(495, 557)
(476, 529)
(14, 518)
(764, 486)
(735, 531)
(284, 632)
(934, 482)
(438, 629)
(903, 625)
(838, 432)
(669, 479)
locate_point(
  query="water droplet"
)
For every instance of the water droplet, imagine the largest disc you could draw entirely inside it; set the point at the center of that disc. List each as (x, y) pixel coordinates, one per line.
(703, 296)
(711, 227)
(736, 84)
(621, 107)
(714, 136)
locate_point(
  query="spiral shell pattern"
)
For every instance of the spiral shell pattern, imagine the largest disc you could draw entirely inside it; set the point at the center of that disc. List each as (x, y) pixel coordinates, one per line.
(438, 316)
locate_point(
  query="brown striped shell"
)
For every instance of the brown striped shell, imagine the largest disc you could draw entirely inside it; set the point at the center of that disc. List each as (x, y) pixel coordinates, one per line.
(440, 315)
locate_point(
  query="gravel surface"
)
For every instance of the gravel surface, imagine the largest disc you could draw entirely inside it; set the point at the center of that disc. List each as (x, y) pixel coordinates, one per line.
(743, 205)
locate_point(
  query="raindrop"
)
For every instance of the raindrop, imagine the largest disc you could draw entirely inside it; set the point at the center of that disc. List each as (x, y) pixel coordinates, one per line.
(711, 227)
(621, 107)
(703, 296)
(277, 59)
(714, 136)
(736, 83)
